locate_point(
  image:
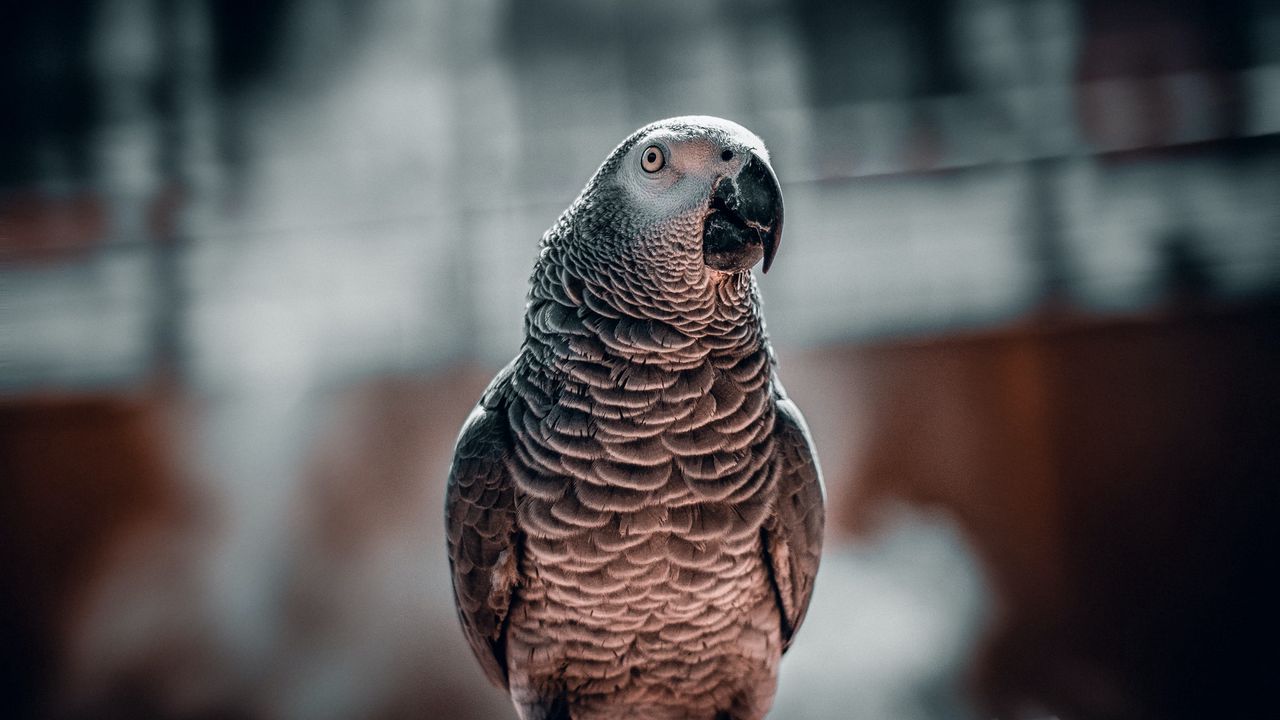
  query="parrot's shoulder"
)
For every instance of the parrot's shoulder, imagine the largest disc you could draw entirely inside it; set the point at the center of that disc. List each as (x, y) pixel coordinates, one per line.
(497, 392)
(484, 434)
(485, 439)
(793, 433)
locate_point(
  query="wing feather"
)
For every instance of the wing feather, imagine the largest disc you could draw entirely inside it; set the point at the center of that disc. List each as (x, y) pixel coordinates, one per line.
(483, 538)
(793, 531)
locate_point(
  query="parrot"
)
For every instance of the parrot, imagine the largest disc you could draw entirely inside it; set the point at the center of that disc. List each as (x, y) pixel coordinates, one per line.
(634, 512)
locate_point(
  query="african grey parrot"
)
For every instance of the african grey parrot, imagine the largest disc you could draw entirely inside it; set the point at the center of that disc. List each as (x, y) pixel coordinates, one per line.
(635, 511)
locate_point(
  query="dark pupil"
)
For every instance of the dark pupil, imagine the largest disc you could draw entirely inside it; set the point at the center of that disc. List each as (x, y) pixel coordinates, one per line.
(653, 156)
(727, 155)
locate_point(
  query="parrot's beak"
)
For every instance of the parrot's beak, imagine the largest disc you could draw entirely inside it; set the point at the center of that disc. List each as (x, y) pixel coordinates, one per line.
(744, 219)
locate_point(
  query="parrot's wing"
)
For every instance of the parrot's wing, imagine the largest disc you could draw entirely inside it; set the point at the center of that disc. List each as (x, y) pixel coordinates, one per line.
(480, 521)
(793, 532)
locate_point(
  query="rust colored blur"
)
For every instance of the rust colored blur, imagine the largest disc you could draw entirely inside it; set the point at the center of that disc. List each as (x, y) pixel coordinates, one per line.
(1118, 480)
(47, 228)
(81, 474)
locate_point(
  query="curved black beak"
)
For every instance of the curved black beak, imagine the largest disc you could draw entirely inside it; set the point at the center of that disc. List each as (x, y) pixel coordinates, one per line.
(744, 222)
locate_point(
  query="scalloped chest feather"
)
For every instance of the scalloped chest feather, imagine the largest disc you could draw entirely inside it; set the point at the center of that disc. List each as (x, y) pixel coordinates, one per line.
(643, 472)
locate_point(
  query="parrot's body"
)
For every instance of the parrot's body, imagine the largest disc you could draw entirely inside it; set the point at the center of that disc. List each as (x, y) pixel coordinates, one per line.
(635, 511)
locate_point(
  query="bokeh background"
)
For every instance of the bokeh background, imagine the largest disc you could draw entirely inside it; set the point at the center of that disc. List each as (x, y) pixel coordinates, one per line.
(259, 259)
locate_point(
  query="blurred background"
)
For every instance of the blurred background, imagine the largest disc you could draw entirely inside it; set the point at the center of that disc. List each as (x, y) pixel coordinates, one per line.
(258, 259)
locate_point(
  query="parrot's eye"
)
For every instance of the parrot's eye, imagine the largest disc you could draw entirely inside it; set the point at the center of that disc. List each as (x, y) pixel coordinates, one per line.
(653, 159)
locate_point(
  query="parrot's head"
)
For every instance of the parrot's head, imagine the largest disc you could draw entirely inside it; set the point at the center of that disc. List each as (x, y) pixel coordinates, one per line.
(694, 194)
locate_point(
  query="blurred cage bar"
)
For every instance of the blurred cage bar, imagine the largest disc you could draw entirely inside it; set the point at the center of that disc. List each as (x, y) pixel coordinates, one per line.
(257, 259)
